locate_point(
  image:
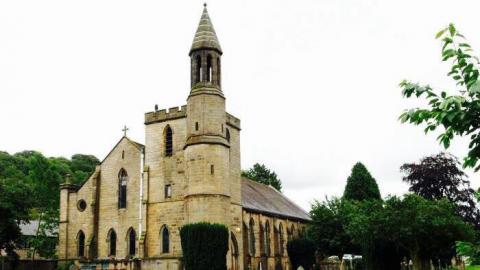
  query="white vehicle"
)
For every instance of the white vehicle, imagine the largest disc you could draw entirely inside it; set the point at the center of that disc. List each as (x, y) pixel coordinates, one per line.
(333, 258)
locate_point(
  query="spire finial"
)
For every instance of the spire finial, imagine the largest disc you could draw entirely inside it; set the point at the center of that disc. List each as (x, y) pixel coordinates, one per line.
(205, 37)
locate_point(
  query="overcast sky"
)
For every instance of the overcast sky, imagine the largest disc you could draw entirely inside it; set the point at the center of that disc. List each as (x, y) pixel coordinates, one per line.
(315, 83)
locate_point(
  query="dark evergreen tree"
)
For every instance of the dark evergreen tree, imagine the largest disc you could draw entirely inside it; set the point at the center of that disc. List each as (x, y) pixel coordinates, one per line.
(301, 253)
(204, 246)
(260, 173)
(361, 185)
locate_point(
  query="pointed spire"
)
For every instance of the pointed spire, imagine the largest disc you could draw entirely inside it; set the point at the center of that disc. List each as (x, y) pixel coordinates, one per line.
(205, 37)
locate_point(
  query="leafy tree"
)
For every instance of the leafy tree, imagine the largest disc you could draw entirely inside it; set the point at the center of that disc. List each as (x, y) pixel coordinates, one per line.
(204, 246)
(301, 253)
(260, 173)
(439, 176)
(427, 229)
(42, 176)
(82, 166)
(46, 237)
(361, 185)
(327, 229)
(469, 250)
(457, 114)
(366, 225)
(15, 203)
(424, 228)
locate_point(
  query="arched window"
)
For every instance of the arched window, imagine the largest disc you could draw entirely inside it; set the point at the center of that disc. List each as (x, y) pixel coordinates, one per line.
(282, 240)
(168, 141)
(276, 241)
(112, 243)
(292, 232)
(131, 242)
(246, 242)
(209, 68)
(122, 188)
(251, 238)
(246, 246)
(267, 238)
(262, 239)
(198, 69)
(227, 135)
(81, 244)
(165, 239)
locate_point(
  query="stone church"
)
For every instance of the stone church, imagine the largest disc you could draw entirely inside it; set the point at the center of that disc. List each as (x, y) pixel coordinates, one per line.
(132, 207)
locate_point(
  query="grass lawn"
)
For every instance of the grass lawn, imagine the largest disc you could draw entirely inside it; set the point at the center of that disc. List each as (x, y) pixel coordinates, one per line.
(473, 267)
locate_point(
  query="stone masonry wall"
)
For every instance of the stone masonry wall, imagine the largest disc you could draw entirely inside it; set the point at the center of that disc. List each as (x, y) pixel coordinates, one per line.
(290, 229)
(111, 217)
(165, 170)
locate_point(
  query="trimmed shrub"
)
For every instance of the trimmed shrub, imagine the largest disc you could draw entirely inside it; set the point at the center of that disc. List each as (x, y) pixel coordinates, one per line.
(301, 252)
(204, 246)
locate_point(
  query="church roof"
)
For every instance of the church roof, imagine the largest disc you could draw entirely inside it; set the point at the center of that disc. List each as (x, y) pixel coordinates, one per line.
(205, 37)
(137, 145)
(261, 198)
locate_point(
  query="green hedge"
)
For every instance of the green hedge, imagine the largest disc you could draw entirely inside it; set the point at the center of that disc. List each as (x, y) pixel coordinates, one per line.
(301, 252)
(204, 246)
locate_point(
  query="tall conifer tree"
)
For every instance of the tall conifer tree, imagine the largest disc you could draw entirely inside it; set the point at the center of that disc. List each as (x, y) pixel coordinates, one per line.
(361, 185)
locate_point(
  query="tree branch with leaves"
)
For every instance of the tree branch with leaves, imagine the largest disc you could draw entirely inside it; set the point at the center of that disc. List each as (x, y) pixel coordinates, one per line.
(458, 114)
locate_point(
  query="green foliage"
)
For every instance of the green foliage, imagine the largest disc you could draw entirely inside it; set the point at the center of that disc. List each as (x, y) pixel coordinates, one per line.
(422, 227)
(65, 265)
(457, 114)
(365, 224)
(301, 252)
(46, 237)
(35, 181)
(470, 250)
(15, 203)
(204, 246)
(82, 166)
(327, 229)
(361, 185)
(260, 173)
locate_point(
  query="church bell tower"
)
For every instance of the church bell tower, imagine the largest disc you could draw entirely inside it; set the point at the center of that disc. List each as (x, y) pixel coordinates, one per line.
(207, 146)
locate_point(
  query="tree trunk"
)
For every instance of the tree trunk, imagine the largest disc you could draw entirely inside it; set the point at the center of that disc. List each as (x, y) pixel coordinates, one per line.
(421, 262)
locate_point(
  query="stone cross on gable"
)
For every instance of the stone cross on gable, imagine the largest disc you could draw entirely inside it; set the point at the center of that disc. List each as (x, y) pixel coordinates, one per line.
(125, 129)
